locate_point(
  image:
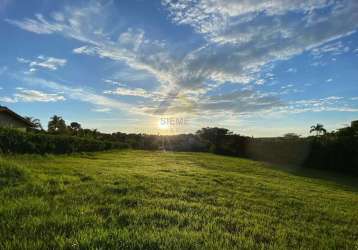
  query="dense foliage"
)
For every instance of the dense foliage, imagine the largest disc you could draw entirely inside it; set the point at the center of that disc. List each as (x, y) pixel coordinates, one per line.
(287, 151)
(333, 152)
(13, 141)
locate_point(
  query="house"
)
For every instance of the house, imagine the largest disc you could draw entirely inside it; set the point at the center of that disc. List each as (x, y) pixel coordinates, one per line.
(10, 119)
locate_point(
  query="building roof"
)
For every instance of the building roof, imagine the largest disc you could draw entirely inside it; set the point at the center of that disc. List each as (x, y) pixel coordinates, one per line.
(16, 116)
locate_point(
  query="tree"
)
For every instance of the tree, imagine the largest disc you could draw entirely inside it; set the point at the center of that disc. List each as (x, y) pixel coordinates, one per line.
(95, 133)
(319, 129)
(214, 136)
(56, 125)
(36, 122)
(75, 127)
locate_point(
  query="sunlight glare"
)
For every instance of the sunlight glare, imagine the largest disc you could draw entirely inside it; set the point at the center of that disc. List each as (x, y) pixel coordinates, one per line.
(163, 125)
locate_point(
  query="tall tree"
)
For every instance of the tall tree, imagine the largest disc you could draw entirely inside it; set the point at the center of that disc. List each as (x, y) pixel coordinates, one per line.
(75, 127)
(36, 122)
(214, 136)
(319, 129)
(56, 124)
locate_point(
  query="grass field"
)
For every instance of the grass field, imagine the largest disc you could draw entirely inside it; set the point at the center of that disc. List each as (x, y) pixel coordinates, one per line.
(161, 200)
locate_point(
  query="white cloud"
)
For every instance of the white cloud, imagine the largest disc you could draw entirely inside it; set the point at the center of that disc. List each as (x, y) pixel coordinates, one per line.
(249, 34)
(7, 99)
(115, 82)
(334, 49)
(287, 86)
(80, 50)
(129, 92)
(293, 70)
(219, 20)
(132, 39)
(101, 110)
(71, 22)
(220, 62)
(138, 52)
(329, 80)
(22, 60)
(80, 94)
(58, 16)
(50, 63)
(38, 25)
(260, 81)
(26, 95)
(240, 102)
(253, 104)
(327, 104)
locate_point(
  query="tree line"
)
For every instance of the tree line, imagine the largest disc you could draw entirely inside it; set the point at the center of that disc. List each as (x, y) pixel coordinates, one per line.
(336, 150)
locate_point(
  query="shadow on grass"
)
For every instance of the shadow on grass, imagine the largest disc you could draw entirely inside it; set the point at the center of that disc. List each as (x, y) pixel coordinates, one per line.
(346, 181)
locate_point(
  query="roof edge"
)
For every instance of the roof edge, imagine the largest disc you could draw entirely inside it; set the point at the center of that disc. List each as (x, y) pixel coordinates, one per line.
(12, 113)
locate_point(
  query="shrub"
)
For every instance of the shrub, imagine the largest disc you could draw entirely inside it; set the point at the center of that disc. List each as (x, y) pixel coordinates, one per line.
(339, 153)
(13, 141)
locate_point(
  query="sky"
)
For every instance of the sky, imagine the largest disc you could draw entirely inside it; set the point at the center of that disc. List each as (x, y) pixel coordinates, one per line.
(259, 68)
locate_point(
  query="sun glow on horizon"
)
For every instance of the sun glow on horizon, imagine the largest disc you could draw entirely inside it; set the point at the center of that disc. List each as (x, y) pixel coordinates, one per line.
(163, 125)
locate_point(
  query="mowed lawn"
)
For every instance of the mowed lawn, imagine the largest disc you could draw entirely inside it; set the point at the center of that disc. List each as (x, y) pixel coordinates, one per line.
(163, 200)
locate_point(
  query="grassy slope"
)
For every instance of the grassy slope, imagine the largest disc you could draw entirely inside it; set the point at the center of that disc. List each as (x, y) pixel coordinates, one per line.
(150, 200)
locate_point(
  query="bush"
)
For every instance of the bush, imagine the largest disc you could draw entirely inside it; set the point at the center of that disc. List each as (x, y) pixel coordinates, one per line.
(338, 153)
(292, 151)
(13, 141)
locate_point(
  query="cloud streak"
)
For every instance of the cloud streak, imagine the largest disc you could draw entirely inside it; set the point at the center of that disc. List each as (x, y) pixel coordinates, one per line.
(101, 102)
(43, 62)
(30, 95)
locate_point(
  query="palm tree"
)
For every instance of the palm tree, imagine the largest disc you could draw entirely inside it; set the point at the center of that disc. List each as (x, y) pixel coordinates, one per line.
(319, 129)
(56, 124)
(36, 122)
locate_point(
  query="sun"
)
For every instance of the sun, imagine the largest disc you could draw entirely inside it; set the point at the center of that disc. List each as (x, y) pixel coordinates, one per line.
(163, 125)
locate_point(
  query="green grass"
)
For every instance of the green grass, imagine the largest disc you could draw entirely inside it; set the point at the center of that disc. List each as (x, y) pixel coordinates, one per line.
(162, 200)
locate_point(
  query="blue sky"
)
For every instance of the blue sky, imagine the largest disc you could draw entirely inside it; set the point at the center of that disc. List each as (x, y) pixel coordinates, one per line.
(261, 68)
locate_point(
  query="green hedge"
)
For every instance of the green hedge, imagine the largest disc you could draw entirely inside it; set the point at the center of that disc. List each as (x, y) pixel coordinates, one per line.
(13, 141)
(279, 150)
(338, 153)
